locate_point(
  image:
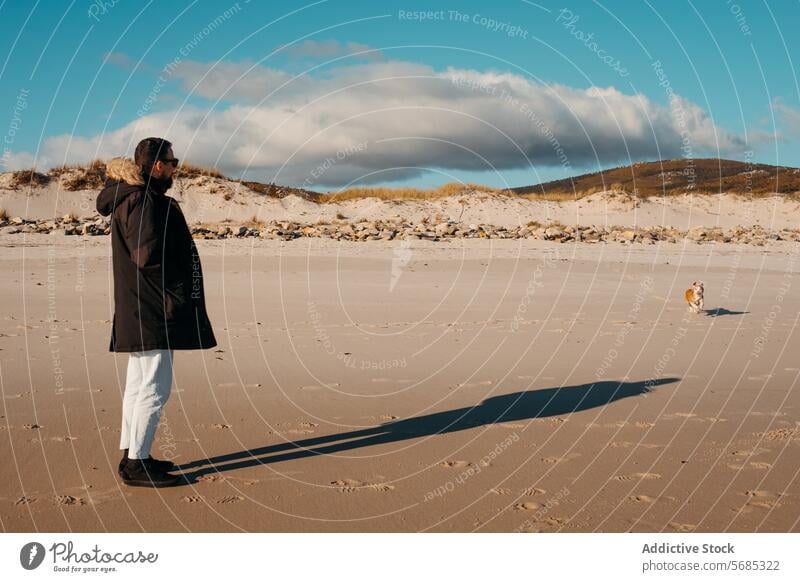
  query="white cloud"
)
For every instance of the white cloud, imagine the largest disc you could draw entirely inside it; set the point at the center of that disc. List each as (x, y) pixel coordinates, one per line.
(328, 49)
(789, 117)
(335, 127)
(123, 61)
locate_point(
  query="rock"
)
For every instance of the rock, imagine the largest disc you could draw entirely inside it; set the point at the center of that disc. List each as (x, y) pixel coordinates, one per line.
(553, 232)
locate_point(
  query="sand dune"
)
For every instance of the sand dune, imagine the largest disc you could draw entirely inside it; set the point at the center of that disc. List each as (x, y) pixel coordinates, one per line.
(213, 200)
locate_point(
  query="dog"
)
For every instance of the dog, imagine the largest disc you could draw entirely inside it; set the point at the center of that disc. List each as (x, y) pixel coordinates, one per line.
(694, 297)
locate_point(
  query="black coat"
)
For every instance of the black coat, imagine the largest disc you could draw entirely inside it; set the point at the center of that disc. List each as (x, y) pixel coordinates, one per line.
(159, 301)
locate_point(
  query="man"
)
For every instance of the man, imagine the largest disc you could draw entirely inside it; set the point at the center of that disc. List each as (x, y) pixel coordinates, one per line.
(159, 304)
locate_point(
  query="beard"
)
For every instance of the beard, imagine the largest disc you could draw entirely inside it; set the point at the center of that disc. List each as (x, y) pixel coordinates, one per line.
(160, 185)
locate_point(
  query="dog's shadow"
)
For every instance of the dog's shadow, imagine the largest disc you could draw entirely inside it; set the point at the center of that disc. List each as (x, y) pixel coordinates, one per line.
(508, 407)
(720, 311)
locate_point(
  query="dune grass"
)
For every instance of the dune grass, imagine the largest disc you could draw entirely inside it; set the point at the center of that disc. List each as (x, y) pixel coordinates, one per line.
(187, 170)
(449, 189)
(89, 176)
(29, 178)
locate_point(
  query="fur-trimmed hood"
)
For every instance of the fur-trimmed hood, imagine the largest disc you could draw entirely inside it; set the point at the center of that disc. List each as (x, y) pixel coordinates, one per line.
(123, 178)
(124, 170)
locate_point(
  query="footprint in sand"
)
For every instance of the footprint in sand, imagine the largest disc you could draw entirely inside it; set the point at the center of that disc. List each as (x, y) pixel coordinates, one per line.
(32, 426)
(297, 431)
(682, 527)
(527, 506)
(531, 491)
(763, 499)
(748, 452)
(641, 499)
(69, 500)
(220, 426)
(760, 465)
(638, 477)
(500, 491)
(455, 464)
(192, 499)
(781, 434)
(352, 485)
(509, 425)
(211, 478)
(229, 499)
(25, 500)
(556, 460)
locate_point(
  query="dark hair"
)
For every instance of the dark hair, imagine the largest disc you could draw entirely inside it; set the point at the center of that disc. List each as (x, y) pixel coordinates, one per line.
(149, 151)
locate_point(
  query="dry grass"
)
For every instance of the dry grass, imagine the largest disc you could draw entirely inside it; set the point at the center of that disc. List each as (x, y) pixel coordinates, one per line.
(91, 176)
(255, 222)
(450, 189)
(29, 177)
(554, 196)
(266, 189)
(3, 214)
(186, 170)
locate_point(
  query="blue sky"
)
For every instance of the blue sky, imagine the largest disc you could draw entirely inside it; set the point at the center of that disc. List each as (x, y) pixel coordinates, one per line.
(326, 94)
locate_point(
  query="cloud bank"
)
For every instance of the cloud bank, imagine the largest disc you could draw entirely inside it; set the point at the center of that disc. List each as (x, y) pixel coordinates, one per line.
(392, 120)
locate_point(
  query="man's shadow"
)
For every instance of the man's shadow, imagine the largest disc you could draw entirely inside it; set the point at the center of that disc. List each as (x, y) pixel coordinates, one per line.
(720, 311)
(508, 407)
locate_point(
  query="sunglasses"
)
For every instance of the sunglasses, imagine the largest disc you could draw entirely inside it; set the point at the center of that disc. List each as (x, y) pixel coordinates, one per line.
(173, 161)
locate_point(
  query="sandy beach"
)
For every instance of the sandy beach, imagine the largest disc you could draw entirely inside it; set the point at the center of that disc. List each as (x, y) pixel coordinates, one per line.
(462, 385)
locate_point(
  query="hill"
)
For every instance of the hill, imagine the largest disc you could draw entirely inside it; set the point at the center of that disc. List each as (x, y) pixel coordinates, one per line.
(670, 177)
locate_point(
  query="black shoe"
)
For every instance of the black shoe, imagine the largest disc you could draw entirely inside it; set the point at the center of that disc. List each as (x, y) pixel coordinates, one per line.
(143, 473)
(162, 465)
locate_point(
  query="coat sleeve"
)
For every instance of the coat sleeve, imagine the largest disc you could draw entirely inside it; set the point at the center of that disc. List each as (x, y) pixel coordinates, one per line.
(144, 234)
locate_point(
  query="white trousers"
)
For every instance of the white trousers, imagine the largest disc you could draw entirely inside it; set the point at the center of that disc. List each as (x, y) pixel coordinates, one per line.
(147, 389)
